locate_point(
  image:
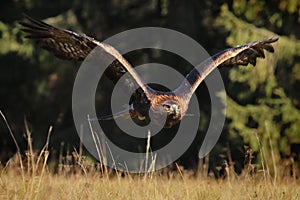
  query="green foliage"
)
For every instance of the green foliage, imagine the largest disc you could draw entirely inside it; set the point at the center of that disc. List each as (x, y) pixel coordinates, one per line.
(9, 43)
(260, 11)
(263, 112)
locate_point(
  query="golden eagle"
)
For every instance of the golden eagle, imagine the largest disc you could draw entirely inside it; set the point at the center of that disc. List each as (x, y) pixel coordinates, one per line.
(66, 44)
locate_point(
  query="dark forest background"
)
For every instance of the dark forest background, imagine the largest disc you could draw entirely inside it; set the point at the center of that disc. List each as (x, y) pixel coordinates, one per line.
(263, 103)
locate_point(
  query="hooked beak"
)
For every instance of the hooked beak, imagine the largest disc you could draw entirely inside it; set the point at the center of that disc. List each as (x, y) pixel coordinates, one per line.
(174, 109)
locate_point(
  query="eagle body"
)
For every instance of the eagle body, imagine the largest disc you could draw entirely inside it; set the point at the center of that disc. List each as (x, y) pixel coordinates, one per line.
(146, 104)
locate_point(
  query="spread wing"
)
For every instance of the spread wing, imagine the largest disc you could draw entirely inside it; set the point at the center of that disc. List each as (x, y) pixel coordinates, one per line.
(69, 45)
(240, 55)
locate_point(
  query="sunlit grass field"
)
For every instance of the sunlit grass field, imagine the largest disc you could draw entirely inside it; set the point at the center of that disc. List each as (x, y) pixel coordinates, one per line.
(32, 178)
(95, 186)
(29, 175)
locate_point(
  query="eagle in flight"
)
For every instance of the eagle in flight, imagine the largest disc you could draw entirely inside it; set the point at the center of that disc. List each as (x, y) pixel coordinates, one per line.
(173, 105)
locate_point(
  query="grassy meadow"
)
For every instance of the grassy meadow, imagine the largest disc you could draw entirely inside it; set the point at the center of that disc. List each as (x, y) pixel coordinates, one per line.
(156, 186)
(30, 175)
(32, 178)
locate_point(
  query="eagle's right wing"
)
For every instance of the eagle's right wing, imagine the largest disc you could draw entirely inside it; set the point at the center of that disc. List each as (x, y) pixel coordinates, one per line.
(69, 45)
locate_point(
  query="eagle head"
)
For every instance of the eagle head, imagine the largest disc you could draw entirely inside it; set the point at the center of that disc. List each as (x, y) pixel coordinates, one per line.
(172, 108)
(166, 109)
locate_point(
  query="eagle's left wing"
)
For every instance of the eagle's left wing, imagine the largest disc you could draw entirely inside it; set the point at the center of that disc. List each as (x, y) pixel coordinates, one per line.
(240, 55)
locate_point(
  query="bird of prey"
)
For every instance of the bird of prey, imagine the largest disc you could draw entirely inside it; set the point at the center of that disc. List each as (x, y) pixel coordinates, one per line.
(69, 45)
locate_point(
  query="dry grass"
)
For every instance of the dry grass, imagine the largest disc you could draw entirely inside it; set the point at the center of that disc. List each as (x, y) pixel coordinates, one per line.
(30, 178)
(52, 186)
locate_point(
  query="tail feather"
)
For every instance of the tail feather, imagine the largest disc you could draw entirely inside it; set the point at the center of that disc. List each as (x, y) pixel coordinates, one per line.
(123, 113)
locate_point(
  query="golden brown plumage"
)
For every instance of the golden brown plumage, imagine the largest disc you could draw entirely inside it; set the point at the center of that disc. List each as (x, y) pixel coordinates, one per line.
(66, 44)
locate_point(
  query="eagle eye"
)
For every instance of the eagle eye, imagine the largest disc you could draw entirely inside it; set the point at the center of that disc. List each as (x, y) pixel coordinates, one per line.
(167, 107)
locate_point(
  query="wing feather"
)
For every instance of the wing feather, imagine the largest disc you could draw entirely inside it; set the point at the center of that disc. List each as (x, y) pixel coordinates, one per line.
(69, 45)
(240, 55)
